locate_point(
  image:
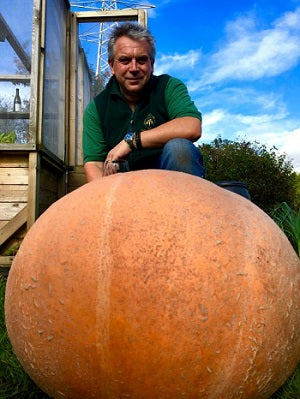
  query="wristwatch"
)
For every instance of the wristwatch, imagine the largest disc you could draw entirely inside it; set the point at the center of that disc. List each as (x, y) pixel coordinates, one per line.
(129, 140)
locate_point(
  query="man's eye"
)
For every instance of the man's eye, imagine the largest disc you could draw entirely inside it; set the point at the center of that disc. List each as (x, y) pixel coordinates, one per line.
(125, 60)
(142, 60)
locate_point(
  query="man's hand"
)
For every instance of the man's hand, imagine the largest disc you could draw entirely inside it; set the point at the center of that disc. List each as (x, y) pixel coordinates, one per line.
(120, 151)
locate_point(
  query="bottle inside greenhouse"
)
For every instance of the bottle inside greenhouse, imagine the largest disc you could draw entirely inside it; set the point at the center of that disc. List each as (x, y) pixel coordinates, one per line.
(17, 102)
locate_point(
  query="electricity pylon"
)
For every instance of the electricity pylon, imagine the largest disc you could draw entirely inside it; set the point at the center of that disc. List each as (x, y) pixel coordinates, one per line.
(104, 29)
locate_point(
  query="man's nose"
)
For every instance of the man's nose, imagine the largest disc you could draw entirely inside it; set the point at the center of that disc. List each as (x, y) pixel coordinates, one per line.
(133, 65)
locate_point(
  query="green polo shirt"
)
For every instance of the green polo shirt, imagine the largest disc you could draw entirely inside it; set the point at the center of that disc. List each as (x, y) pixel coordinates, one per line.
(174, 102)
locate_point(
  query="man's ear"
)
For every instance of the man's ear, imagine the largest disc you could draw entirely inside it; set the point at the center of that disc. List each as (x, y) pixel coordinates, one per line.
(111, 66)
(152, 64)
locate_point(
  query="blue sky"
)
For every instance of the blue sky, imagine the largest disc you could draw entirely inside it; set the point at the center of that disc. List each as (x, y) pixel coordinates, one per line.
(239, 59)
(241, 63)
(19, 19)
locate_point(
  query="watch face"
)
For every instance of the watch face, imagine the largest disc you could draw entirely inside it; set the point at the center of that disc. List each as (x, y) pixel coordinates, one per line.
(128, 136)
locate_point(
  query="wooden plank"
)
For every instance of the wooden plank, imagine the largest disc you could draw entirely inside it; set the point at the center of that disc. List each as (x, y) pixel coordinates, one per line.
(67, 82)
(9, 209)
(32, 189)
(142, 18)
(80, 108)
(21, 233)
(6, 260)
(14, 115)
(73, 90)
(17, 147)
(37, 67)
(13, 193)
(15, 78)
(14, 161)
(128, 14)
(14, 224)
(5, 267)
(5, 264)
(3, 223)
(13, 176)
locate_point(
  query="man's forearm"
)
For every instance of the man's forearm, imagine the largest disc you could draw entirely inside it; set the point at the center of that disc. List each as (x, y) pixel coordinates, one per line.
(93, 170)
(186, 127)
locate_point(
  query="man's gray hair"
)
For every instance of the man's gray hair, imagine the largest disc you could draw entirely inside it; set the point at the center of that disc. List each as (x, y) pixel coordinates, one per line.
(134, 32)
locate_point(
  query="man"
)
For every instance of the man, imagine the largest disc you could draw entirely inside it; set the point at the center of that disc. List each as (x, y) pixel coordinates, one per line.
(148, 120)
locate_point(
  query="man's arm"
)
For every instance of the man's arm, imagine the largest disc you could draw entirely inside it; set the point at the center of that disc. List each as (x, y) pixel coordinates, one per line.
(93, 144)
(186, 127)
(185, 118)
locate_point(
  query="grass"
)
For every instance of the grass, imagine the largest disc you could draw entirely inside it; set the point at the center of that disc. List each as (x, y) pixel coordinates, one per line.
(289, 221)
(291, 389)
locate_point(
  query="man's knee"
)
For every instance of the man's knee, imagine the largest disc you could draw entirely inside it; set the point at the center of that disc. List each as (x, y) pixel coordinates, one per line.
(182, 155)
(177, 145)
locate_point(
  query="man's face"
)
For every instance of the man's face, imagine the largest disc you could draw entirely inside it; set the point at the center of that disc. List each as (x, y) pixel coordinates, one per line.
(131, 65)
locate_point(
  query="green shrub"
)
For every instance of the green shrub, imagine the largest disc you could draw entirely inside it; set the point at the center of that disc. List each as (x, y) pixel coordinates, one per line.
(269, 176)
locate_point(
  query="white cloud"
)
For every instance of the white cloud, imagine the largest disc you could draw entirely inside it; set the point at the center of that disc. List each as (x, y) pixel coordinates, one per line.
(259, 120)
(291, 146)
(251, 54)
(246, 97)
(289, 20)
(213, 117)
(176, 62)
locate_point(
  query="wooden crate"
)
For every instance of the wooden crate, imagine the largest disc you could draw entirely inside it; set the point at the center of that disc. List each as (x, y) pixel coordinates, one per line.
(14, 172)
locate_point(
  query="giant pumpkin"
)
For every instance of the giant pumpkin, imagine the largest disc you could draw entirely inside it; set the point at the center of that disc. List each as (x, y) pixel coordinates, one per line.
(155, 285)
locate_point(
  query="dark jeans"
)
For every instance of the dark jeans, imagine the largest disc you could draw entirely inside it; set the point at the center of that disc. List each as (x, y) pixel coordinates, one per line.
(183, 156)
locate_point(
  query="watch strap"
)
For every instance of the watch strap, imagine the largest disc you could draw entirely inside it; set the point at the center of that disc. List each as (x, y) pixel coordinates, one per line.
(128, 138)
(133, 140)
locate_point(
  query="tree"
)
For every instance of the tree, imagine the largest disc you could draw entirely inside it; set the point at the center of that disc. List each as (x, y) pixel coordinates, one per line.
(269, 176)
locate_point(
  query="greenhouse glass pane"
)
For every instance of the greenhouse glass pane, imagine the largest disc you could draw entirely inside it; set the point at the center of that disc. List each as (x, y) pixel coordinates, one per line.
(54, 78)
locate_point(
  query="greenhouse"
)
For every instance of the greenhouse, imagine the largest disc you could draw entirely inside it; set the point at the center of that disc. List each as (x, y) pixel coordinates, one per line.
(45, 83)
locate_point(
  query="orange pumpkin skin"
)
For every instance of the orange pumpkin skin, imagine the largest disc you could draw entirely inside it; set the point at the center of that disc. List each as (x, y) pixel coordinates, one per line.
(155, 284)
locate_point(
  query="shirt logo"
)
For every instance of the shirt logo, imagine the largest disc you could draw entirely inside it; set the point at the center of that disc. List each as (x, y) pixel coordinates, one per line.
(149, 121)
